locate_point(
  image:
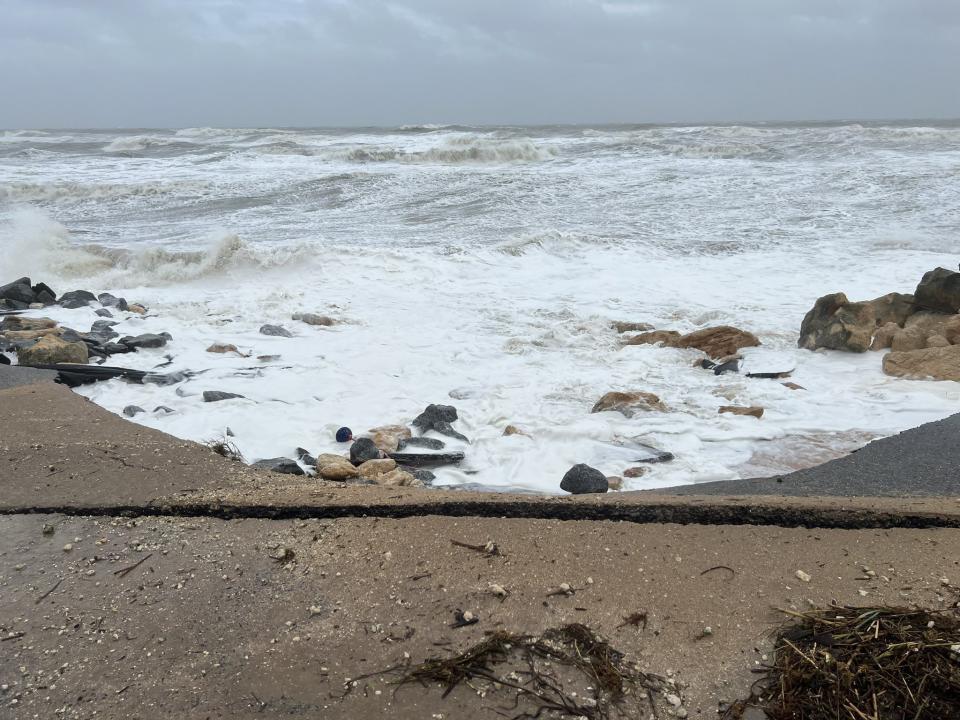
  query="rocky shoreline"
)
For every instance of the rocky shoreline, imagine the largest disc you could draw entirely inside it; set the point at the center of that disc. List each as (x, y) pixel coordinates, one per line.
(921, 329)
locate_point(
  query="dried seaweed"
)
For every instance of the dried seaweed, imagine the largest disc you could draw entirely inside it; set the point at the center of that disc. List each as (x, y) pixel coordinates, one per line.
(603, 675)
(862, 663)
(226, 449)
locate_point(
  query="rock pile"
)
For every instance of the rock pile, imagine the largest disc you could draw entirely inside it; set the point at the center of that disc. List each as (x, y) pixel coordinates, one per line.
(922, 329)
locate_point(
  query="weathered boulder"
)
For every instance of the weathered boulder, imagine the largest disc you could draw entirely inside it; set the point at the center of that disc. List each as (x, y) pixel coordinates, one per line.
(218, 395)
(314, 319)
(336, 467)
(914, 338)
(362, 450)
(883, 337)
(939, 290)
(628, 403)
(717, 342)
(51, 349)
(951, 330)
(936, 363)
(43, 294)
(275, 331)
(398, 477)
(104, 313)
(372, 468)
(439, 418)
(18, 322)
(652, 338)
(108, 300)
(937, 341)
(387, 437)
(836, 323)
(77, 299)
(622, 327)
(582, 479)
(22, 335)
(753, 411)
(893, 307)
(18, 291)
(284, 466)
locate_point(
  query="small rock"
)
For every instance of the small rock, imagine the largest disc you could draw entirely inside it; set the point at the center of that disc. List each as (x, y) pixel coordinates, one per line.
(133, 410)
(281, 465)
(614, 482)
(421, 442)
(582, 479)
(622, 327)
(793, 386)
(103, 312)
(108, 300)
(306, 458)
(363, 450)
(513, 430)
(147, 340)
(68, 547)
(754, 411)
(801, 575)
(137, 308)
(222, 348)
(275, 331)
(48, 529)
(628, 402)
(635, 472)
(674, 700)
(314, 319)
(218, 395)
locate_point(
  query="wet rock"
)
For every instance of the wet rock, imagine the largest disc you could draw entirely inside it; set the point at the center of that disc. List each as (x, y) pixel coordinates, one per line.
(104, 313)
(421, 442)
(513, 430)
(951, 330)
(222, 348)
(306, 458)
(398, 478)
(372, 468)
(314, 319)
(644, 453)
(336, 467)
(284, 466)
(717, 342)
(218, 395)
(19, 291)
(936, 363)
(623, 327)
(939, 290)
(77, 299)
(108, 301)
(893, 308)
(44, 294)
(753, 411)
(914, 338)
(614, 482)
(4, 360)
(147, 340)
(582, 479)
(635, 472)
(166, 410)
(50, 350)
(133, 410)
(388, 437)
(137, 308)
(275, 331)
(20, 323)
(25, 335)
(424, 476)
(883, 337)
(363, 450)
(836, 323)
(793, 386)
(427, 460)
(628, 403)
(116, 348)
(652, 338)
(439, 418)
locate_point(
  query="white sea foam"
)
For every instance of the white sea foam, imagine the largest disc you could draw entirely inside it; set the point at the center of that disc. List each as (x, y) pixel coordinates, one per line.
(465, 273)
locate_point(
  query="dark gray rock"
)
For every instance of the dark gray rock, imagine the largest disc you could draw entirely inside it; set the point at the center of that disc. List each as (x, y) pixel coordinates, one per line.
(836, 323)
(10, 304)
(305, 457)
(421, 442)
(147, 340)
(104, 313)
(362, 450)
(284, 466)
(164, 379)
(438, 419)
(424, 476)
(44, 294)
(582, 479)
(132, 410)
(77, 299)
(108, 300)
(116, 348)
(19, 291)
(939, 290)
(218, 395)
(276, 331)
(4, 360)
(425, 460)
(164, 409)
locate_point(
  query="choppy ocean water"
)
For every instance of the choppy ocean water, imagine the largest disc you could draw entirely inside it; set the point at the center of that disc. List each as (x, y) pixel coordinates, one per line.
(481, 267)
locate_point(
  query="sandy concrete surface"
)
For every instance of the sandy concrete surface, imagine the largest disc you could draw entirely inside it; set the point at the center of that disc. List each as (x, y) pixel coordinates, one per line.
(210, 624)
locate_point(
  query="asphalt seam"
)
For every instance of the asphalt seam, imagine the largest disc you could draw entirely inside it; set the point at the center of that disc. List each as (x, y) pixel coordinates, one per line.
(680, 513)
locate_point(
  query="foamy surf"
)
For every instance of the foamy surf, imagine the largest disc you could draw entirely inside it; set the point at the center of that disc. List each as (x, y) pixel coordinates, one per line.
(491, 284)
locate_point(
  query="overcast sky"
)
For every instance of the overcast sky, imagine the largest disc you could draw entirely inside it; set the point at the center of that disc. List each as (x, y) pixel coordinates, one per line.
(174, 63)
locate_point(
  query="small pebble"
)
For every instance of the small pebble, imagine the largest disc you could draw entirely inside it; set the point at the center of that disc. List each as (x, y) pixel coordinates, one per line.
(801, 575)
(68, 547)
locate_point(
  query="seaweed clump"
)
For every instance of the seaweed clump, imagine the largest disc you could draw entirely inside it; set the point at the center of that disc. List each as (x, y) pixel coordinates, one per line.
(862, 663)
(567, 671)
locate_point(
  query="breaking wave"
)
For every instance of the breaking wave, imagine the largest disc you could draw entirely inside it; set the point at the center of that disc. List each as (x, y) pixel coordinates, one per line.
(49, 192)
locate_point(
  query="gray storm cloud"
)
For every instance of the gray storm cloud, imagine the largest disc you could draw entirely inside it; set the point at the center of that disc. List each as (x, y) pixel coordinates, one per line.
(152, 63)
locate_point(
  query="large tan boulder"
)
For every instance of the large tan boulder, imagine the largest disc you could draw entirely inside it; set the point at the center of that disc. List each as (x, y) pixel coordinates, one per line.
(628, 403)
(937, 341)
(883, 337)
(893, 307)
(17, 323)
(21, 335)
(930, 323)
(907, 339)
(387, 437)
(936, 363)
(398, 477)
(835, 323)
(951, 330)
(336, 467)
(372, 468)
(52, 349)
(652, 338)
(717, 342)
